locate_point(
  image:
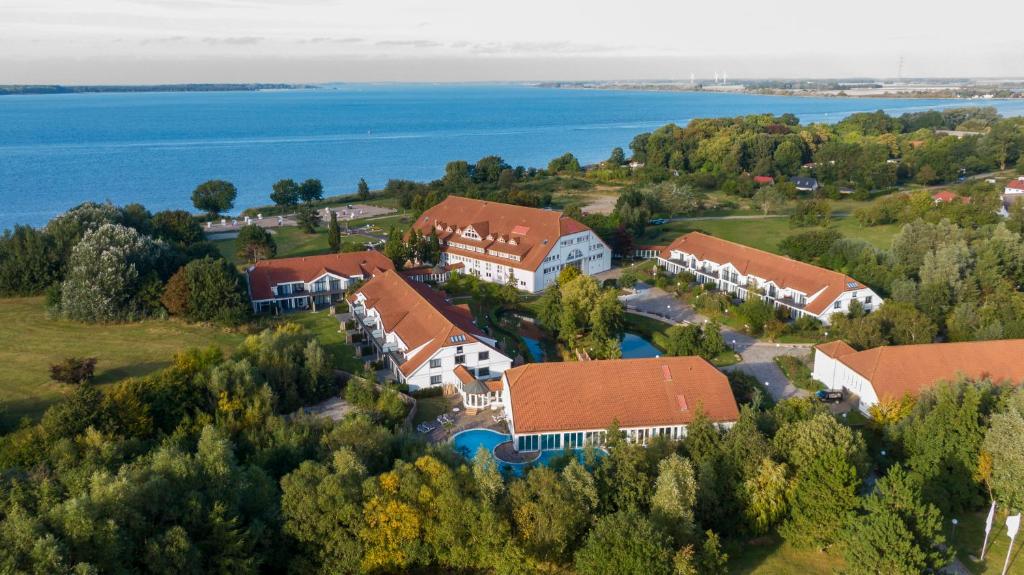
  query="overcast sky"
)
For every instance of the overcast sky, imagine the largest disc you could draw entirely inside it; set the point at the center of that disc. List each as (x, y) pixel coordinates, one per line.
(151, 41)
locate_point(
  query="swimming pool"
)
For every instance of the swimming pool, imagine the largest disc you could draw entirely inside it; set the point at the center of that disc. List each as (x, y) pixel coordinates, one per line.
(468, 442)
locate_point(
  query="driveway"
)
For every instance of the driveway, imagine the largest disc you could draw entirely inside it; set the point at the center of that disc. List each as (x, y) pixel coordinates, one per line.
(758, 357)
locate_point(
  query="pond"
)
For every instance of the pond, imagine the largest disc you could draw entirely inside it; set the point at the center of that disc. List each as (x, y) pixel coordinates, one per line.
(468, 442)
(634, 347)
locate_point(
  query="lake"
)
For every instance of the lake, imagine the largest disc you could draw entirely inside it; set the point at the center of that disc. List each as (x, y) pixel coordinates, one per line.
(57, 151)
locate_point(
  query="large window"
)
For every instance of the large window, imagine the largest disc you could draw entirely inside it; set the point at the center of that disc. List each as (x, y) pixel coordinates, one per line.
(435, 362)
(483, 355)
(460, 359)
(527, 443)
(435, 380)
(483, 372)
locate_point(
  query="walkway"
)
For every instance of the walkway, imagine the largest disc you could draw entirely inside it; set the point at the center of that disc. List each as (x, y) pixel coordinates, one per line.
(758, 357)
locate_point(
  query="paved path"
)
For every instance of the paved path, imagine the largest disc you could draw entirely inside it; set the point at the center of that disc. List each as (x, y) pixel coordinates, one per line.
(758, 357)
(361, 212)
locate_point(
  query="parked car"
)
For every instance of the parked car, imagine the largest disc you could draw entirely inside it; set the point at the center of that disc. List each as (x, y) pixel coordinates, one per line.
(829, 395)
(658, 222)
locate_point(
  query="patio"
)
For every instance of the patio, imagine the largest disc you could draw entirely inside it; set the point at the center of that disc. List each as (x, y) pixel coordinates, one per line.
(461, 420)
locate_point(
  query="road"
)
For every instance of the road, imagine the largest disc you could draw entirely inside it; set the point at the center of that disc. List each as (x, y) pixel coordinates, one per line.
(758, 357)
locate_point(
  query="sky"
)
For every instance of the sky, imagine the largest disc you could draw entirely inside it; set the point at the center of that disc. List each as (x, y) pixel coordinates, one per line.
(175, 41)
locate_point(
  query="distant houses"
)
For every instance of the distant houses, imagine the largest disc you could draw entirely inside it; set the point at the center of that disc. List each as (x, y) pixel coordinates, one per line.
(946, 196)
(424, 340)
(553, 406)
(494, 241)
(805, 184)
(311, 282)
(1012, 193)
(889, 373)
(801, 288)
(764, 180)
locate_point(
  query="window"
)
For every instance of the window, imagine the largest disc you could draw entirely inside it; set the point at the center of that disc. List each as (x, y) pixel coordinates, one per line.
(435, 380)
(483, 372)
(835, 305)
(483, 355)
(458, 349)
(435, 362)
(867, 299)
(460, 359)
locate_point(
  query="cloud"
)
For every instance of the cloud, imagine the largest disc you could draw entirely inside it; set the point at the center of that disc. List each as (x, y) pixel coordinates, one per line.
(163, 40)
(234, 40)
(327, 40)
(409, 43)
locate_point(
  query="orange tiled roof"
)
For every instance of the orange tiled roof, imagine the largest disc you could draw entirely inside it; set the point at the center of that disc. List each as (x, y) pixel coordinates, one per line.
(268, 273)
(419, 315)
(837, 348)
(898, 370)
(533, 231)
(635, 392)
(784, 272)
(463, 374)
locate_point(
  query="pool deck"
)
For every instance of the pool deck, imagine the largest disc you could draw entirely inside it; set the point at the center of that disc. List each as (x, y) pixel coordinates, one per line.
(463, 421)
(505, 453)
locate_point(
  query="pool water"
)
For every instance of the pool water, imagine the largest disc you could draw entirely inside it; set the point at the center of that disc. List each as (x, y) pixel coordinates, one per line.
(635, 347)
(469, 441)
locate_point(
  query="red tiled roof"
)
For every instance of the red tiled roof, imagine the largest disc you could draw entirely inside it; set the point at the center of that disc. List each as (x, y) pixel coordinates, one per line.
(837, 348)
(268, 273)
(784, 272)
(463, 374)
(764, 180)
(535, 231)
(898, 370)
(1015, 184)
(419, 315)
(948, 196)
(634, 392)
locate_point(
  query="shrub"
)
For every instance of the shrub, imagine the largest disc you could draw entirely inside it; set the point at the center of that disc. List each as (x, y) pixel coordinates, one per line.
(73, 370)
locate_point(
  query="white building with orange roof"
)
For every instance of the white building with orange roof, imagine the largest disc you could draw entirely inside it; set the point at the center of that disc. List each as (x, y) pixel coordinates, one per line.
(551, 406)
(494, 240)
(802, 288)
(311, 282)
(889, 373)
(422, 338)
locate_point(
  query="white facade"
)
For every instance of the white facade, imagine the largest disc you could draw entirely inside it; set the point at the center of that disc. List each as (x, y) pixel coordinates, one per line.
(584, 250)
(479, 357)
(726, 277)
(573, 438)
(836, 375)
(320, 293)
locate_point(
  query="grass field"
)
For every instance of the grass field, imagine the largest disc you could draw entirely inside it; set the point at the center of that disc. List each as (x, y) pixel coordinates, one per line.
(325, 326)
(31, 342)
(646, 327)
(428, 408)
(770, 556)
(765, 233)
(293, 242)
(971, 533)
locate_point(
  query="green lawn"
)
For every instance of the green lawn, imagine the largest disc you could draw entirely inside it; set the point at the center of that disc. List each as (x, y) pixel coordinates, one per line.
(765, 233)
(31, 342)
(770, 556)
(293, 242)
(428, 408)
(326, 326)
(969, 536)
(646, 327)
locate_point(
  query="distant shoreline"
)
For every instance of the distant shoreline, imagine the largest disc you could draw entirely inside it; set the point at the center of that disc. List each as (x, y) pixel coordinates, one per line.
(44, 89)
(923, 93)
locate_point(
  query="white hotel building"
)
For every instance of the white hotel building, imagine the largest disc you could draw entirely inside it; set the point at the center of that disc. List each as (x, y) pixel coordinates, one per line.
(494, 240)
(426, 341)
(801, 288)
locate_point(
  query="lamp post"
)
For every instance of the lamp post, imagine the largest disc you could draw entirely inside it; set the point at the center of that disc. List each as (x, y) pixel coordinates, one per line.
(952, 538)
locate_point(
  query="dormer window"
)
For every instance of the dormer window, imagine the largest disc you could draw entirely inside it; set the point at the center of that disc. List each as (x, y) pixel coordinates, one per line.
(515, 243)
(490, 237)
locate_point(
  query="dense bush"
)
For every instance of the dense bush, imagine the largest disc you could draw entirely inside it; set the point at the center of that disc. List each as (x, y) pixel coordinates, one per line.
(73, 370)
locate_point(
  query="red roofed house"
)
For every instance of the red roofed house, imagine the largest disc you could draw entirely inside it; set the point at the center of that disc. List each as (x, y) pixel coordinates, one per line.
(1013, 192)
(889, 373)
(311, 282)
(764, 180)
(802, 288)
(1015, 186)
(495, 240)
(551, 406)
(948, 196)
(426, 341)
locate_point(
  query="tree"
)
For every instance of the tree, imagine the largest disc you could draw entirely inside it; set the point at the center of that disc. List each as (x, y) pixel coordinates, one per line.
(617, 158)
(769, 199)
(624, 543)
(177, 227)
(765, 495)
(308, 218)
(255, 243)
(566, 163)
(822, 499)
(216, 291)
(334, 233)
(176, 293)
(108, 273)
(1004, 446)
(712, 560)
(311, 190)
(73, 370)
(898, 533)
(214, 197)
(285, 194)
(395, 248)
(548, 517)
(363, 190)
(675, 494)
(29, 262)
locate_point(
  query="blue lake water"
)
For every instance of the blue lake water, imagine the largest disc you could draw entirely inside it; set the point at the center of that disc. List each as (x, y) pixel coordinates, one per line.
(59, 150)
